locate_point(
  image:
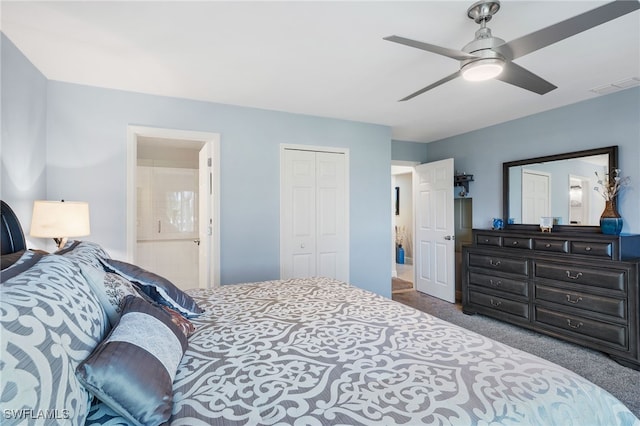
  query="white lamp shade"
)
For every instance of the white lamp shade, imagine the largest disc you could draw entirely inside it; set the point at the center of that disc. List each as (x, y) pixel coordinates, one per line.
(60, 219)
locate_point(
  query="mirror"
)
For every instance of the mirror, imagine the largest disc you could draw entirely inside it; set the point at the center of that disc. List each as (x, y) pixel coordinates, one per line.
(558, 186)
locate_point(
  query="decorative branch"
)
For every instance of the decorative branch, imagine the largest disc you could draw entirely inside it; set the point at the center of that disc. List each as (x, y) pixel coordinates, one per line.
(611, 184)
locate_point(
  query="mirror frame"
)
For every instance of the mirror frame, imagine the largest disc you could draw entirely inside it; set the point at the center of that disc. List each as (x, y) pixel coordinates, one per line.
(612, 151)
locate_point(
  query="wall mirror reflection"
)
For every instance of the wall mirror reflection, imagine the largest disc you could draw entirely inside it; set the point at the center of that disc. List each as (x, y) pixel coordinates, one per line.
(558, 186)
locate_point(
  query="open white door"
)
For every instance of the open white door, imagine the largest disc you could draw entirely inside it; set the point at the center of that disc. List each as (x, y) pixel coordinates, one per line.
(434, 247)
(205, 216)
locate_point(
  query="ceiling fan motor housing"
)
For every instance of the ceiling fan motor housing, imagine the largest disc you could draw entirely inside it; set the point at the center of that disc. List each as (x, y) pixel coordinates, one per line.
(482, 47)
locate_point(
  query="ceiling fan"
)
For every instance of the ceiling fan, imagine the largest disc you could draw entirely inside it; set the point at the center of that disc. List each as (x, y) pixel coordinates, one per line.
(489, 57)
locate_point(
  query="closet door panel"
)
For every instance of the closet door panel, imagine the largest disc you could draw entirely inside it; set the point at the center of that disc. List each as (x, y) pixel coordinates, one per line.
(331, 224)
(299, 214)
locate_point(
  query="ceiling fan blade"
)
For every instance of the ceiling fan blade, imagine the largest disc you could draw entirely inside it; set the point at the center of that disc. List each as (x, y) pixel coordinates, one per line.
(567, 28)
(518, 76)
(431, 86)
(451, 53)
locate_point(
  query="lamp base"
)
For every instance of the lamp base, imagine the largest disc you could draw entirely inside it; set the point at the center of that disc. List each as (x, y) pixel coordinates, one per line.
(61, 242)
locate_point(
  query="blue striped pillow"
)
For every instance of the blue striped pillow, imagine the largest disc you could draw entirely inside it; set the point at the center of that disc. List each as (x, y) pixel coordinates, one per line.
(132, 370)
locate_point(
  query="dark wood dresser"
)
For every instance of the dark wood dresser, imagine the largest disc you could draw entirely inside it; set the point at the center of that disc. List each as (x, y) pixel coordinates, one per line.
(578, 286)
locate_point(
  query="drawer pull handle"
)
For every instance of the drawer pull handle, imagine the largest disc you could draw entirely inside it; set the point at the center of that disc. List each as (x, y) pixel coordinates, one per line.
(587, 248)
(495, 283)
(572, 325)
(515, 243)
(547, 245)
(494, 263)
(573, 277)
(494, 303)
(574, 301)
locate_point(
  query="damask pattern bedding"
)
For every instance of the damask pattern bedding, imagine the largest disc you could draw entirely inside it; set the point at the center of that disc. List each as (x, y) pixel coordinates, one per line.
(322, 352)
(297, 352)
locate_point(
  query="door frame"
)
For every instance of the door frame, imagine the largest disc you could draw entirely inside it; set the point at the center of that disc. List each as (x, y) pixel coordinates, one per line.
(316, 148)
(410, 169)
(133, 133)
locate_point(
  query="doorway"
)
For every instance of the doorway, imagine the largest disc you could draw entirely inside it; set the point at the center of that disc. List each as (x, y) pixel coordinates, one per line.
(579, 206)
(173, 205)
(402, 228)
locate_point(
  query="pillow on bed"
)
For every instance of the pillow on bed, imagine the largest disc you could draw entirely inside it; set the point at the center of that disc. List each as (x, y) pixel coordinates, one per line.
(158, 288)
(84, 253)
(132, 370)
(111, 289)
(181, 322)
(50, 321)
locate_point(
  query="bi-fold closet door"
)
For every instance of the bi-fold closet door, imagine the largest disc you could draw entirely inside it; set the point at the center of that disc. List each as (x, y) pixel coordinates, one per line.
(314, 214)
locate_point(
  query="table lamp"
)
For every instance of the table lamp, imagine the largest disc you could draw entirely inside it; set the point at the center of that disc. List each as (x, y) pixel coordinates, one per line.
(60, 220)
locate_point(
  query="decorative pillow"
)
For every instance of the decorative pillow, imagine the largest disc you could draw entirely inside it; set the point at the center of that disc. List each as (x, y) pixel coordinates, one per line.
(158, 288)
(111, 289)
(183, 324)
(50, 321)
(84, 253)
(132, 370)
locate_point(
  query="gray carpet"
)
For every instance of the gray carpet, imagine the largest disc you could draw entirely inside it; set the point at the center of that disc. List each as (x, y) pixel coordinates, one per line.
(620, 381)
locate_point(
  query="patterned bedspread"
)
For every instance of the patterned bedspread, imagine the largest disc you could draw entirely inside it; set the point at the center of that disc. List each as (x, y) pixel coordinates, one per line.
(322, 352)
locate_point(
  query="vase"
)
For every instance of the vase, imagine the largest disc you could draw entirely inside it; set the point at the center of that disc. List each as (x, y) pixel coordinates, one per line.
(400, 254)
(610, 220)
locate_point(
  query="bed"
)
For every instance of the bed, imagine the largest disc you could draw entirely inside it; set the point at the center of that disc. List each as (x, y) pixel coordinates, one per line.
(312, 351)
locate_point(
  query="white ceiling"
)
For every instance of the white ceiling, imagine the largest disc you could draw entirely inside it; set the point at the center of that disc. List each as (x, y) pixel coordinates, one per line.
(320, 58)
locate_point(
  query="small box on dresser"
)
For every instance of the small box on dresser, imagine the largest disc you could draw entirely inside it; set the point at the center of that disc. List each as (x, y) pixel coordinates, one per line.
(577, 286)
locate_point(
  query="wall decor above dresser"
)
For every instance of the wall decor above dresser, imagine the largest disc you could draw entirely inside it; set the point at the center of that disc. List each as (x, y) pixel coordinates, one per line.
(573, 283)
(558, 186)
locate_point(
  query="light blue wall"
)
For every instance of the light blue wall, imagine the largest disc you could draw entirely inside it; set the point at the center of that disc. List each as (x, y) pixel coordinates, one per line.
(408, 151)
(23, 147)
(603, 121)
(86, 142)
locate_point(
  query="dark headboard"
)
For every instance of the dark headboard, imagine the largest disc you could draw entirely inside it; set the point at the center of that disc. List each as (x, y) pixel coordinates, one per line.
(12, 235)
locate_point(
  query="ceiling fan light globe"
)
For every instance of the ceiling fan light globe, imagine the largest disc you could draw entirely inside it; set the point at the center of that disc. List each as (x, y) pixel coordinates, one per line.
(482, 69)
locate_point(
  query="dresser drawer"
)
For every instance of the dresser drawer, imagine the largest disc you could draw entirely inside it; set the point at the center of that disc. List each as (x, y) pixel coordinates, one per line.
(499, 263)
(609, 333)
(515, 242)
(489, 240)
(498, 283)
(592, 248)
(557, 246)
(513, 307)
(604, 278)
(584, 301)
